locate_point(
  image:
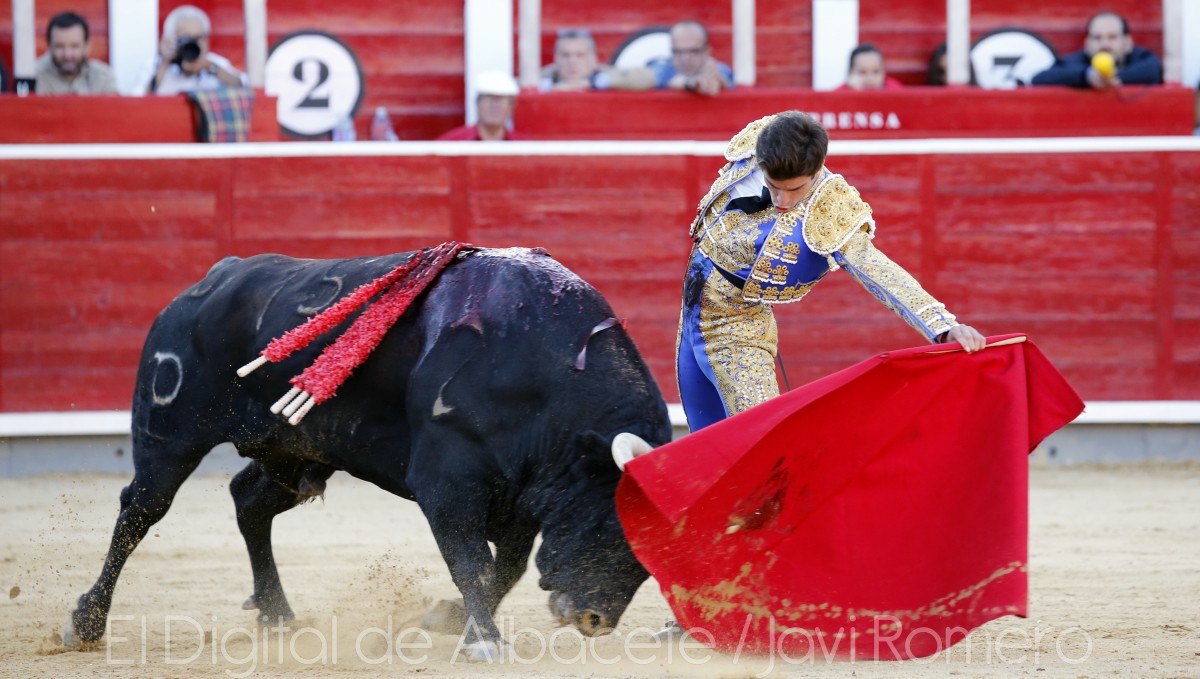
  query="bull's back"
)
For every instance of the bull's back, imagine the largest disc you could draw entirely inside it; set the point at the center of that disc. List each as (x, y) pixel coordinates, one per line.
(499, 332)
(533, 340)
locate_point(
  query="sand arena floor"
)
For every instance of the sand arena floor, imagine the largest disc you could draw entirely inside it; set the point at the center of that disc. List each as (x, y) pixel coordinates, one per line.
(1114, 559)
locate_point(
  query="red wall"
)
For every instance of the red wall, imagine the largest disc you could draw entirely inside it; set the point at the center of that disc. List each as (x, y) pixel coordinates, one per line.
(1094, 254)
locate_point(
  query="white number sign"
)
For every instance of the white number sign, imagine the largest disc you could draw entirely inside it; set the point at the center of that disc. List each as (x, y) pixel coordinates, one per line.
(1007, 58)
(318, 82)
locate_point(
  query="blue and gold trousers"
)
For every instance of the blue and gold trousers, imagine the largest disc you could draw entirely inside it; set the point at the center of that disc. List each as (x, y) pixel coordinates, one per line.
(725, 351)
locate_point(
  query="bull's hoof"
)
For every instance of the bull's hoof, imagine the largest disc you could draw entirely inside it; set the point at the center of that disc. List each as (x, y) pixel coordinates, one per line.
(482, 651)
(76, 642)
(448, 616)
(83, 629)
(270, 613)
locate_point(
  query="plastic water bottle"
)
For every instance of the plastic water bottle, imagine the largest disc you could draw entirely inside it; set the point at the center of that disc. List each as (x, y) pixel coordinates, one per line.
(381, 126)
(344, 130)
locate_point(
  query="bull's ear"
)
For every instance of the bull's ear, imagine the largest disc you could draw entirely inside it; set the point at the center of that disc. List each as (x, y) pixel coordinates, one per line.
(626, 446)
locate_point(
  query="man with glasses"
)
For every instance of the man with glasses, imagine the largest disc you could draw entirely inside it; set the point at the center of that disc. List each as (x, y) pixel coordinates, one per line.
(184, 62)
(691, 66)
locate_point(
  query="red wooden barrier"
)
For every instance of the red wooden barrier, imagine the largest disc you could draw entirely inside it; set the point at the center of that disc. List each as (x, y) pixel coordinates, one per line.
(912, 113)
(94, 120)
(909, 113)
(1094, 254)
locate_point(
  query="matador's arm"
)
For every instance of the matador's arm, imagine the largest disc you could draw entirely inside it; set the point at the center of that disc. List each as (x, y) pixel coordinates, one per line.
(893, 286)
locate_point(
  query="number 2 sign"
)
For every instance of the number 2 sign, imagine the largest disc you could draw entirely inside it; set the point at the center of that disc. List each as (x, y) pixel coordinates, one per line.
(317, 80)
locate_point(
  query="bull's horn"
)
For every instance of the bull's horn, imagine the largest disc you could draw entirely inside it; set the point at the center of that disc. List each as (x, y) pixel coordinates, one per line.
(626, 446)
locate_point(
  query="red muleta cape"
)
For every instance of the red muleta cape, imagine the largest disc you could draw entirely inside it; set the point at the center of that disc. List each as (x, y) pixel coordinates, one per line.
(880, 512)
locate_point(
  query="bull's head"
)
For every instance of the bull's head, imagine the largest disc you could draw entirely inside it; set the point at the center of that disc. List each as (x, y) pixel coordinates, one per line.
(585, 560)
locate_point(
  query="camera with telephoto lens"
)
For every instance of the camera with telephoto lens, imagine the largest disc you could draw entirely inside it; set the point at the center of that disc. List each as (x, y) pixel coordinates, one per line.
(187, 49)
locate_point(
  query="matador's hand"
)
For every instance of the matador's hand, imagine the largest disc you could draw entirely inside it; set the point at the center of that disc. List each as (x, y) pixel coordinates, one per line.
(968, 337)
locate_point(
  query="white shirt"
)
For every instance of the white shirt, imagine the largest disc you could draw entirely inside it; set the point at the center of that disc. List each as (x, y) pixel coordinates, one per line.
(175, 80)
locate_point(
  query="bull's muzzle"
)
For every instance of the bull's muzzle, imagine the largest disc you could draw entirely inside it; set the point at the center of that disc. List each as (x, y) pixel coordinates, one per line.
(626, 446)
(589, 622)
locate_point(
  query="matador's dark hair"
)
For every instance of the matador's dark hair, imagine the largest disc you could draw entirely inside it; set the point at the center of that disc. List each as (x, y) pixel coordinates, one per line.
(792, 145)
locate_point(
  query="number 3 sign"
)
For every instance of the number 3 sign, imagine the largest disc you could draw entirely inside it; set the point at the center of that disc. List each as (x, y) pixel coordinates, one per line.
(318, 82)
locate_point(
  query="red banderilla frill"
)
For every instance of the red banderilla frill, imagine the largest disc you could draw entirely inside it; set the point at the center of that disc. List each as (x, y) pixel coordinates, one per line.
(320, 381)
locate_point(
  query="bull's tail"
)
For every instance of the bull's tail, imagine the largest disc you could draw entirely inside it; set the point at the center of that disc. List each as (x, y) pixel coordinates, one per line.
(320, 381)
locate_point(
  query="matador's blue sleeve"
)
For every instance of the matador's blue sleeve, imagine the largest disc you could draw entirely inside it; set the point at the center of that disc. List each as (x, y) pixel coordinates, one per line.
(893, 286)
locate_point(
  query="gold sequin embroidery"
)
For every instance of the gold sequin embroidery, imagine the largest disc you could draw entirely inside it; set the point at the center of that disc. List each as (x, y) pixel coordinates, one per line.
(743, 143)
(872, 269)
(730, 241)
(833, 215)
(740, 341)
(714, 202)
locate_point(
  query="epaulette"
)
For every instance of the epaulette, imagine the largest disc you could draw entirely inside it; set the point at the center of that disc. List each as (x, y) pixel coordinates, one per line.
(742, 144)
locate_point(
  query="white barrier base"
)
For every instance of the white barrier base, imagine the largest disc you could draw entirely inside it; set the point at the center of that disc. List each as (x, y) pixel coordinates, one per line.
(99, 441)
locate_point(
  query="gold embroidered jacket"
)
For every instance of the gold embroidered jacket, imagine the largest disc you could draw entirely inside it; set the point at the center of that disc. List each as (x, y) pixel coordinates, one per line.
(781, 256)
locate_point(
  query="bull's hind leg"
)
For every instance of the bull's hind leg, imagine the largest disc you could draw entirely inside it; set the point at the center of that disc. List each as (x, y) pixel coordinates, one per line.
(157, 477)
(262, 491)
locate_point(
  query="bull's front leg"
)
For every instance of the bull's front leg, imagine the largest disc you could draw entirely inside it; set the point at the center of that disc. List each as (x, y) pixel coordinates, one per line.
(512, 558)
(462, 542)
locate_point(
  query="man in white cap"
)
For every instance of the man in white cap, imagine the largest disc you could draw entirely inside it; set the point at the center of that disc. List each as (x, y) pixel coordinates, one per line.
(495, 100)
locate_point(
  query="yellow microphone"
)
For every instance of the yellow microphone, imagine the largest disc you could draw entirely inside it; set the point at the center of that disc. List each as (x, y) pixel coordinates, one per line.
(1104, 64)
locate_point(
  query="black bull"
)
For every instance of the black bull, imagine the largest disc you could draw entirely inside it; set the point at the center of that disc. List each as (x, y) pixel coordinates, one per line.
(475, 405)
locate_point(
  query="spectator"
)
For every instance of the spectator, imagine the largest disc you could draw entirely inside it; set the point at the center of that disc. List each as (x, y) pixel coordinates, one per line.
(495, 99)
(691, 66)
(574, 66)
(866, 70)
(1106, 32)
(184, 63)
(65, 67)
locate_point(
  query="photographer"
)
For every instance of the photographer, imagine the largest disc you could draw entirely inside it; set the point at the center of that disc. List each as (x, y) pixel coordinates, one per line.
(184, 63)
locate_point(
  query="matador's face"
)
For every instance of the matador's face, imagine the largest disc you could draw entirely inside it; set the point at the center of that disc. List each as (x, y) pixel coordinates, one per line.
(787, 193)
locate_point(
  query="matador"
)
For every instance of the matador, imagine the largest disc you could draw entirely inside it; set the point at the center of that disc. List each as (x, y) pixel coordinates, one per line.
(774, 223)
